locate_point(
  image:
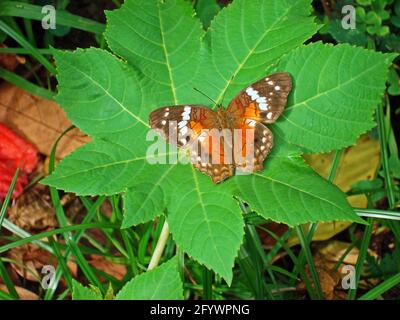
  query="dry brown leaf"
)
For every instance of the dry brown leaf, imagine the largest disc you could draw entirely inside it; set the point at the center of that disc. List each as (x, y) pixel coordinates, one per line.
(33, 211)
(10, 61)
(38, 120)
(23, 293)
(329, 279)
(333, 250)
(115, 270)
(30, 259)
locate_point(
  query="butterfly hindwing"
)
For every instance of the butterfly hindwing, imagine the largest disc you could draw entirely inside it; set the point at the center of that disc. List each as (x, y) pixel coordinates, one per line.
(213, 159)
(253, 156)
(264, 100)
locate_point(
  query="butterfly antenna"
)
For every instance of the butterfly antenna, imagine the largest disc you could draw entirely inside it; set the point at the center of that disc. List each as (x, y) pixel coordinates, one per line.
(205, 95)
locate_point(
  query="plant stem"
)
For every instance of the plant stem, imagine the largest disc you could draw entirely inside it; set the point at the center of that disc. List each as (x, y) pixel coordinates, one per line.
(162, 240)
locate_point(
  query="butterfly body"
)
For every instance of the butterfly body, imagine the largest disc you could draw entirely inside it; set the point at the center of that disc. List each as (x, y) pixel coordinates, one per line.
(232, 139)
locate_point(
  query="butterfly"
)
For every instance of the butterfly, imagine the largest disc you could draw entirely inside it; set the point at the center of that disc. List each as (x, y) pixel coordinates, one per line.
(199, 128)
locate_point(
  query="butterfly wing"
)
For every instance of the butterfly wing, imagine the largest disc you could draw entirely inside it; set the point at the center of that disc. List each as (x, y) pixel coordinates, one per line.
(261, 102)
(182, 124)
(212, 154)
(264, 100)
(194, 126)
(250, 153)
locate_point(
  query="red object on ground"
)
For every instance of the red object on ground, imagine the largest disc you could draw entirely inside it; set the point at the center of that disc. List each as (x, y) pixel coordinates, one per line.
(15, 152)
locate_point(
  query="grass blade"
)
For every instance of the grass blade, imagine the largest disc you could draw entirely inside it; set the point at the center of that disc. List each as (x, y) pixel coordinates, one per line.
(381, 288)
(26, 85)
(8, 197)
(64, 18)
(24, 43)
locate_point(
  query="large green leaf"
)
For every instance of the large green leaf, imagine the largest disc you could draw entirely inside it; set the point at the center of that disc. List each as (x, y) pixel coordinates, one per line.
(161, 283)
(335, 87)
(162, 40)
(248, 36)
(165, 55)
(291, 192)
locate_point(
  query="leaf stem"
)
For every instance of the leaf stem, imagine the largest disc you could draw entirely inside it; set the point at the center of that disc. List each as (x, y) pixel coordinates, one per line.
(162, 240)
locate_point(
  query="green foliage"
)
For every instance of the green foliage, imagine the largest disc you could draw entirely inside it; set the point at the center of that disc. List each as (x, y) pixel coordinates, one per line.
(377, 23)
(79, 292)
(161, 283)
(165, 54)
(206, 10)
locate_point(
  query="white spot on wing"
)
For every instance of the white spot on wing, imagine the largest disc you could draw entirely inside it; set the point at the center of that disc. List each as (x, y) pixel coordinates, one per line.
(263, 106)
(184, 130)
(182, 124)
(163, 122)
(270, 82)
(252, 93)
(166, 114)
(277, 88)
(269, 115)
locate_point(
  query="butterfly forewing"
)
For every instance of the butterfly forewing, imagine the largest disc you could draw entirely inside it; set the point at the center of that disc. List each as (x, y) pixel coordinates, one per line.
(182, 123)
(264, 100)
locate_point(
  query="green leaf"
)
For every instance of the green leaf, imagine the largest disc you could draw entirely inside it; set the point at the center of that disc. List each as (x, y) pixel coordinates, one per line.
(245, 38)
(352, 36)
(205, 220)
(79, 292)
(364, 2)
(289, 191)
(161, 283)
(162, 40)
(372, 18)
(336, 91)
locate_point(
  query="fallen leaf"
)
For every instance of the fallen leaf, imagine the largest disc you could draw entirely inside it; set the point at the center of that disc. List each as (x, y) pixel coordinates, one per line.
(33, 211)
(23, 293)
(41, 121)
(333, 251)
(29, 259)
(115, 270)
(10, 61)
(329, 279)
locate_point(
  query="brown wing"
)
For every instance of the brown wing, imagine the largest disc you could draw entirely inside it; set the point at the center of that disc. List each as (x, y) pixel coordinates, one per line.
(194, 126)
(264, 100)
(254, 146)
(182, 124)
(212, 154)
